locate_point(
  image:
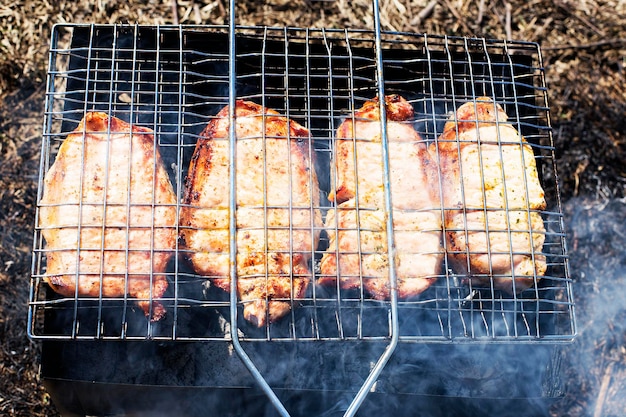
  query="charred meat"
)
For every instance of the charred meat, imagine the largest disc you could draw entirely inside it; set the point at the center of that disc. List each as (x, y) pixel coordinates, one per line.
(357, 225)
(492, 198)
(277, 202)
(108, 214)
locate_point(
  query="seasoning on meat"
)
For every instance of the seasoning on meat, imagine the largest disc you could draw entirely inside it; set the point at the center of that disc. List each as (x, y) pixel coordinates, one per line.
(357, 226)
(278, 217)
(108, 214)
(492, 198)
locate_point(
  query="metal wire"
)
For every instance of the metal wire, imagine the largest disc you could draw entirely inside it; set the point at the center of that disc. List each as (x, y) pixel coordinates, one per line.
(320, 97)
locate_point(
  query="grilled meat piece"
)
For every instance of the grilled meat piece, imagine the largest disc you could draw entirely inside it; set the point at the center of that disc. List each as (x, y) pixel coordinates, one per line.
(108, 214)
(492, 198)
(357, 227)
(278, 217)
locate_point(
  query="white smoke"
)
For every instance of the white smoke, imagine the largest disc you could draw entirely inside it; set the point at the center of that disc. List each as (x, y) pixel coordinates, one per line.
(592, 364)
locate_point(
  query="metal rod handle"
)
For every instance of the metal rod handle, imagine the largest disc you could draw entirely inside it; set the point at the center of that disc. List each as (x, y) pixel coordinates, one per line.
(366, 387)
(232, 137)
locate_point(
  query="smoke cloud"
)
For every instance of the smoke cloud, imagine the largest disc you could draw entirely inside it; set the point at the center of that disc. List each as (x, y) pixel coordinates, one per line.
(595, 363)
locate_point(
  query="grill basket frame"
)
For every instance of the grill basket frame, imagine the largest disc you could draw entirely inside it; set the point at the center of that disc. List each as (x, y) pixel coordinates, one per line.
(113, 68)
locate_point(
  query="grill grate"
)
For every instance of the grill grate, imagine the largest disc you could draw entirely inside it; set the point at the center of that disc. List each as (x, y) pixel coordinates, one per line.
(175, 79)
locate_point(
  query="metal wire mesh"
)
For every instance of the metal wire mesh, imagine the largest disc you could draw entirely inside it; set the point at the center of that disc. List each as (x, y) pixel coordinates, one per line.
(174, 80)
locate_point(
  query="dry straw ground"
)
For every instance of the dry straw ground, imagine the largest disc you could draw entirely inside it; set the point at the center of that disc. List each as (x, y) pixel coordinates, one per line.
(584, 50)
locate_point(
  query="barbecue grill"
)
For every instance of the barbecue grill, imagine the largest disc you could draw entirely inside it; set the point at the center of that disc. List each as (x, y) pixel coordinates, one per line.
(456, 340)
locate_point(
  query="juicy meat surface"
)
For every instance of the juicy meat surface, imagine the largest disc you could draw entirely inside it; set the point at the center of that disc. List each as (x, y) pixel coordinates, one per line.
(492, 198)
(357, 226)
(108, 214)
(278, 217)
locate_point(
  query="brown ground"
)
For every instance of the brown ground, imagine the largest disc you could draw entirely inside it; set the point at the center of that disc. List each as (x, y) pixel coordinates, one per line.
(584, 50)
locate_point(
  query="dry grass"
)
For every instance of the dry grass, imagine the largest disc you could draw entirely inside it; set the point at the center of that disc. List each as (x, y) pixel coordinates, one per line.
(584, 50)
